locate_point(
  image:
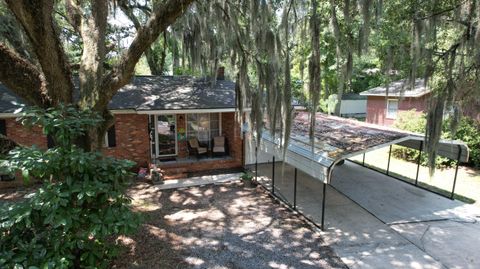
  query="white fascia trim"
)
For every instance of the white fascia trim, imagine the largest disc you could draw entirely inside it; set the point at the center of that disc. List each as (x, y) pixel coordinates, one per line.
(9, 115)
(186, 111)
(124, 111)
(397, 96)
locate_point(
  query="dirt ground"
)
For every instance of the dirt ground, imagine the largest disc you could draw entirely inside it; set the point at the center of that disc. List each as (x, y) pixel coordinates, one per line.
(220, 226)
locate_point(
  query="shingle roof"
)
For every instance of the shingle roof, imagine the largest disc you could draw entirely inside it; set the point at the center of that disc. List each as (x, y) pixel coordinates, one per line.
(395, 89)
(353, 96)
(8, 100)
(156, 93)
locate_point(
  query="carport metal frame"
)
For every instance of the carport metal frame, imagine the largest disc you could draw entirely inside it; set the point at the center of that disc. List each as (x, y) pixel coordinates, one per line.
(293, 207)
(328, 173)
(387, 172)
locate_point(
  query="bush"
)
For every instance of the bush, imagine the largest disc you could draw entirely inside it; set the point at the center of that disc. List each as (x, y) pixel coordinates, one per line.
(81, 206)
(413, 121)
(468, 131)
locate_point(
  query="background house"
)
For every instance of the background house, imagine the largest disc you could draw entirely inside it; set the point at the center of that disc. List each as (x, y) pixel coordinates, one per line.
(383, 110)
(353, 105)
(154, 118)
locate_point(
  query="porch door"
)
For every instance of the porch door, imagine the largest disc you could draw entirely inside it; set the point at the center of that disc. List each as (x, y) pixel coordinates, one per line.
(166, 135)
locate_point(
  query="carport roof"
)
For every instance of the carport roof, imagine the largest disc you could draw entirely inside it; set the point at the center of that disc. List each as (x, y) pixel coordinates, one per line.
(337, 139)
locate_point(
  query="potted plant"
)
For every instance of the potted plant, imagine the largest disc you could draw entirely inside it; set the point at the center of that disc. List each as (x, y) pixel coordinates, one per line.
(156, 175)
(248, 180)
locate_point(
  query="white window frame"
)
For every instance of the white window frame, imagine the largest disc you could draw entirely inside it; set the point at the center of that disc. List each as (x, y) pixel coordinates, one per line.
(388, 116)
(105, 142)
(209, 122)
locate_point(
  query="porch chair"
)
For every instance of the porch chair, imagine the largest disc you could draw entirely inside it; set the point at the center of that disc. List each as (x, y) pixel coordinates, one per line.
(219, 146)
(195, 148)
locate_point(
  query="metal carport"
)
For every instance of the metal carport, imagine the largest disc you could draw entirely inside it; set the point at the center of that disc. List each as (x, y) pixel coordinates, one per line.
(337, 139)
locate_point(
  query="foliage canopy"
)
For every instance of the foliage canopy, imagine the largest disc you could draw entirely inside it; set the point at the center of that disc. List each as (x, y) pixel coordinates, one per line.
(71, 219)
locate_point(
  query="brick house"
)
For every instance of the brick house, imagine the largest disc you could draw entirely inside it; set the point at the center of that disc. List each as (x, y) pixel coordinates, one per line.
(154, 118)
(383, 110)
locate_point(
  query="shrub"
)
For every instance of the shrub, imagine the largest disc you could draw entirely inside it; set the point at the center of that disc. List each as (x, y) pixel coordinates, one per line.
(246, 176)
(413, 121)
(468, 131)
(70, 220)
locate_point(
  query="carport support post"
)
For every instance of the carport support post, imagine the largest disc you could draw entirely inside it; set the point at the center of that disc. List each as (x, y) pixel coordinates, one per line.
(273, 175)
(323, 206)
(295, 190)
(256, 164)
(418, 162)
(389, 155)
(456, 171)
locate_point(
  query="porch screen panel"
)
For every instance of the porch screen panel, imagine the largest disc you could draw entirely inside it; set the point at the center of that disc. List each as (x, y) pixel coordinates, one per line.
(214, 125)
(203, 126)
(166, 136)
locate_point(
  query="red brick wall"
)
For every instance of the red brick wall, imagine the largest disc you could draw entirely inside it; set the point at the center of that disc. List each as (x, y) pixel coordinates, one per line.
(25, 136)
(376, 108)
(133, 142)
(231, 130)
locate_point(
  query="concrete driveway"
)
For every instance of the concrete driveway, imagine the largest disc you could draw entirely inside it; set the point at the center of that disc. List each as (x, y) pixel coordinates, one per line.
(375, 221)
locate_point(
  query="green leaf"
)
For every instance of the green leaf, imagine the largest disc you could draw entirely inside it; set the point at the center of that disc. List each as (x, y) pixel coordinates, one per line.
(26, 176)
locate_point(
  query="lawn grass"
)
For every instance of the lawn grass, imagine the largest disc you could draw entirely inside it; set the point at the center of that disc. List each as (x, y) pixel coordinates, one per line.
(423, 185)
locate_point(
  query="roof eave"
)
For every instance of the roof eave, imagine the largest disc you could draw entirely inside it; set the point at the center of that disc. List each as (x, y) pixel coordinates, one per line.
(397, 96)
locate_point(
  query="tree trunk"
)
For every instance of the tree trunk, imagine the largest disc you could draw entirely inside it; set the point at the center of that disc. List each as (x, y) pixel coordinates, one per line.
(23, 78)
(314, 67)
(176, 56)
(93, 31)
(36, 18)
(51, 84)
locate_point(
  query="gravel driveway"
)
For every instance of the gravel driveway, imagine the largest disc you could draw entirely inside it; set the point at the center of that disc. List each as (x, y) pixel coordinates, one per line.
(220, 226)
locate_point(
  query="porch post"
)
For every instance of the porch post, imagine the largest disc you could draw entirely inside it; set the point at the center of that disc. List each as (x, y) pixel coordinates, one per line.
(295, 190)
(456, 171)
(273, 175)
(418, 161)
(323, 206)
(389, 155)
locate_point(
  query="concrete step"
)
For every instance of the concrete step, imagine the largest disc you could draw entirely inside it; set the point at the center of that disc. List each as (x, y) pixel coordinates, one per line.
(174, 170)
(175, 176)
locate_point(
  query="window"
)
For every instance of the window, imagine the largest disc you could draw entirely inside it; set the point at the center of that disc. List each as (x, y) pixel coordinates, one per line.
(50, 142)
(3, 127)
(204, 126)
(392, 108)
(110, 138)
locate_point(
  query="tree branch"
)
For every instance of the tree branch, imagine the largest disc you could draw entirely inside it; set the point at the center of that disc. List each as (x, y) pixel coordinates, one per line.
(23, 78)
(162, 16)
(36, 17)
(73, 15)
